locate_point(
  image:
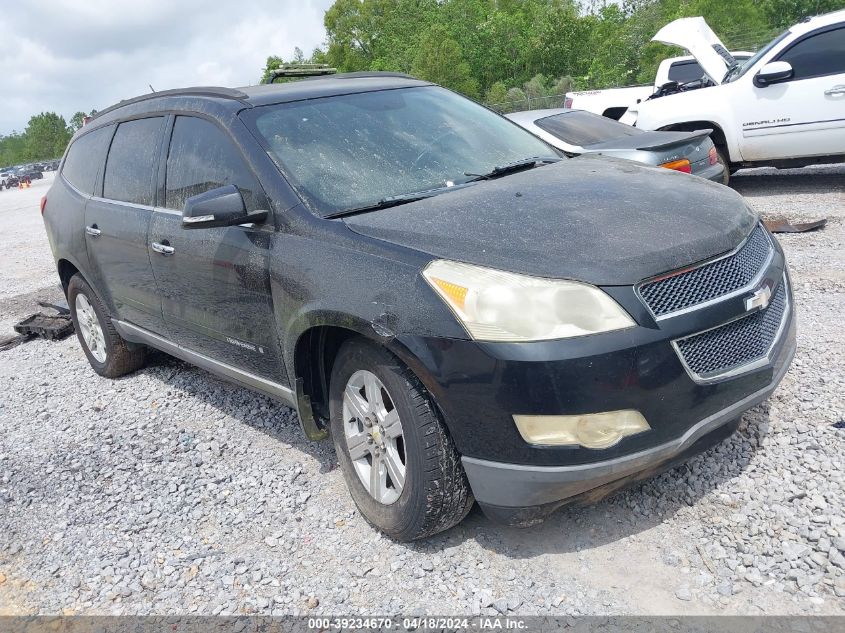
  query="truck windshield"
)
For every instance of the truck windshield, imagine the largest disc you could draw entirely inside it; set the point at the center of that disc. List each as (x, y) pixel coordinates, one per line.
(741, 68)
(352, 151)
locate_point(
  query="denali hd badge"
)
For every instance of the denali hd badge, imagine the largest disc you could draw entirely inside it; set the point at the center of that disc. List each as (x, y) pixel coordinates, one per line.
(760, 299)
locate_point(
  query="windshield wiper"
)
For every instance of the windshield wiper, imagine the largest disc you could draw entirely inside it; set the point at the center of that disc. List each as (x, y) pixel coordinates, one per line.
(510, 168)
(390, 201)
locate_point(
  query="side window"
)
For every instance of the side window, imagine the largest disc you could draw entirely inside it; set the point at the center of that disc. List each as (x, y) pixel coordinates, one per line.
(85, 159)
(132, 161)
(684, 72)
(818, 55)
(202, 157)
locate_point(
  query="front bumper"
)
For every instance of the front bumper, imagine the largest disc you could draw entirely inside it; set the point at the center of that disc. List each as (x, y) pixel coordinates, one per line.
(479, 387)
(520, 494)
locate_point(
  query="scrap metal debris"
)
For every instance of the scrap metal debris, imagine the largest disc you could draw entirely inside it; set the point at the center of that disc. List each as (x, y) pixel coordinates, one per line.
(782, 225)
(52, 327)
(8, 342)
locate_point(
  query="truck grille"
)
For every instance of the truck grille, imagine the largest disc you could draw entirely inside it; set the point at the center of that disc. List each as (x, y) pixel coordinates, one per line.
(709, 281)
(740, 342)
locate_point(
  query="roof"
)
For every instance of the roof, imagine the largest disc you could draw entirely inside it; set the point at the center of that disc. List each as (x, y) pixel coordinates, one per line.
(818, 21)
(328, 86)
(307, 88)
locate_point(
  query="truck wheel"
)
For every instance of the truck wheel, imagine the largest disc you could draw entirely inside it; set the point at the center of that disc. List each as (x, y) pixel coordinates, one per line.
(400, 465)
(108, 353)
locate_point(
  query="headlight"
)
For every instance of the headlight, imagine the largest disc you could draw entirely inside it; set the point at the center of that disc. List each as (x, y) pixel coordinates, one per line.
(494, 305)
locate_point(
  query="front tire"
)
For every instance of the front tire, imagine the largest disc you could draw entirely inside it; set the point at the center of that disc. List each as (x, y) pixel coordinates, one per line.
(108, 353)
(400, 465)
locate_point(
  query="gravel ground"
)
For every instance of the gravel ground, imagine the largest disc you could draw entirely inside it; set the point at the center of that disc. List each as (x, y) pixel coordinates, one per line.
(169, 491)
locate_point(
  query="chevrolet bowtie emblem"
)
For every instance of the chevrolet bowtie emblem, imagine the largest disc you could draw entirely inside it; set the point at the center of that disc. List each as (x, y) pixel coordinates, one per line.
(760, 299)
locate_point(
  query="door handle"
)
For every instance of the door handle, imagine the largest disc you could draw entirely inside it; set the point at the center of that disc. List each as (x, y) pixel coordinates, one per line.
(836, 90)
(93, 231)
(163, 247)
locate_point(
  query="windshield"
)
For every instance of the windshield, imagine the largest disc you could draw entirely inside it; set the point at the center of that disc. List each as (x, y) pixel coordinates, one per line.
(351, 151)
(584, 128)
(741, 68)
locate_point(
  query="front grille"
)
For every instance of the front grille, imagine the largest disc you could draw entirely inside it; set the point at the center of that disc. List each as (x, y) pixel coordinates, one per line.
(737, 343)
(710, 281)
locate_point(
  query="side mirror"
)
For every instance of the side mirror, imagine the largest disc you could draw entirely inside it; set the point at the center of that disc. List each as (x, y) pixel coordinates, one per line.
(223, 206)
(772, 73)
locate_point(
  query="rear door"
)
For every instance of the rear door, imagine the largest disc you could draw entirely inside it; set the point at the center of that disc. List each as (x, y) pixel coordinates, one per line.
(215, 282)
(117, 222)
(805, 115)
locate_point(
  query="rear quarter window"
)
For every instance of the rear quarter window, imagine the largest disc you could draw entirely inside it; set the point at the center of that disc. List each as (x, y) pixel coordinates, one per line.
(85, 159)
(685, 72)
(132, 161)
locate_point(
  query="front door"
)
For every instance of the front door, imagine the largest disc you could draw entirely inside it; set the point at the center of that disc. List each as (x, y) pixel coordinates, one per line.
(805, 115)
(215, 282)
(117, 224)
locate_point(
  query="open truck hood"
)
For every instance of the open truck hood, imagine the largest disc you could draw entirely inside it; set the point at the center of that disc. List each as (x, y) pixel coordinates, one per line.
(695, 35)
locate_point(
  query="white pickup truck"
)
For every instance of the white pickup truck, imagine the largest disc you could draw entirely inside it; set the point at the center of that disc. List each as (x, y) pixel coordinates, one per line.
(784, 107)
(613, 102)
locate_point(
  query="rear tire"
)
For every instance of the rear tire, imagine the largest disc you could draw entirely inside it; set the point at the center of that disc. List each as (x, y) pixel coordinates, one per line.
(722, 154)
(431, 492)
(108, 353)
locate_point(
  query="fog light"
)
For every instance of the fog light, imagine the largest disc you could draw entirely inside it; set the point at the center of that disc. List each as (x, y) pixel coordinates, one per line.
(591, 430)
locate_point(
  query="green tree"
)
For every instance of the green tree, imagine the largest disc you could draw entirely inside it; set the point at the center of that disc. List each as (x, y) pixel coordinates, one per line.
(440, 60)
(47, 135)
(497, 94)
(274, 62)
(615, 53)
(77, 121)
(784, 13)
(12, 149)
(476, 45)
(516, 100)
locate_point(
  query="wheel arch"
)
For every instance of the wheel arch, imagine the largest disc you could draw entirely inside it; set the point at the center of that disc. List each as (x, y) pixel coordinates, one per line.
(67, 269)
(312, 356)
(718, 136)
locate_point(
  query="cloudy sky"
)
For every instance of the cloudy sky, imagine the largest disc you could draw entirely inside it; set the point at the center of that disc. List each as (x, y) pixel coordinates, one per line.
(70, 55)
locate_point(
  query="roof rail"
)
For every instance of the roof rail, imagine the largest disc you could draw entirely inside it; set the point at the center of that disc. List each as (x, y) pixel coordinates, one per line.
(194, 91)
(299, 71)
(372, 73)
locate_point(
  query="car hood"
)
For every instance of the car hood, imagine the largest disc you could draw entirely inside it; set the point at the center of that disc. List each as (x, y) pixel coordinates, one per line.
(595, 219)
(695, 35)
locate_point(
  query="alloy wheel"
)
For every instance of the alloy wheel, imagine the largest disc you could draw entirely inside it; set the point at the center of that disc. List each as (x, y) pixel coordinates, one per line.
(374, 436)
(89, 326)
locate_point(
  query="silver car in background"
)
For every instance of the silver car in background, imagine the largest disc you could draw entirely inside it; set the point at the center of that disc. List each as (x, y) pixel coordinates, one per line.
(577, 132)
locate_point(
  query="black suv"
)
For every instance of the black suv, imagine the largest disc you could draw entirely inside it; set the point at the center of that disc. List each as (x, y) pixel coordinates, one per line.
(466, 313)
